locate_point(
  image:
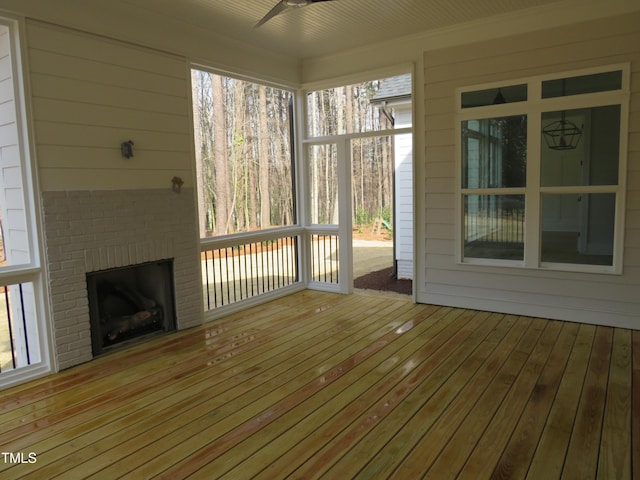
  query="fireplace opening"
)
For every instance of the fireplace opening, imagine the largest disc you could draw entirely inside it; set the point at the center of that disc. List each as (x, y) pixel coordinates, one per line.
(130, 304)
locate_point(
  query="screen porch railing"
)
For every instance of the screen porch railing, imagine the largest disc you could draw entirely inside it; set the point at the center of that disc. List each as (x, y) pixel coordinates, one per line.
(240, 267)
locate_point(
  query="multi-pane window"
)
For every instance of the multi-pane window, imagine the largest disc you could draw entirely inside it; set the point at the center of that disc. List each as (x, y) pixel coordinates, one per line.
(541, 172)
(16, 246)
(21, 341)
(494, 174)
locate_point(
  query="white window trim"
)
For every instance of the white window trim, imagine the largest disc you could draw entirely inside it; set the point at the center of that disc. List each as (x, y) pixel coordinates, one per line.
(32, 272)
(533, 108)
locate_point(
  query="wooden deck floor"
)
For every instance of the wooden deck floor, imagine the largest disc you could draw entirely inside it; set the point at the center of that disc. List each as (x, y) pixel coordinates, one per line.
(318, 385)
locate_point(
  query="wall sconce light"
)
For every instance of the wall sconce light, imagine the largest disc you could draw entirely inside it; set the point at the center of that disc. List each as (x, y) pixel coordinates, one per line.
(127, 149)
(176, 184)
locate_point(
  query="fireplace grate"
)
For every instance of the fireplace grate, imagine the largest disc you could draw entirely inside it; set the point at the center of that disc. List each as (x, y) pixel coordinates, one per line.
(129, 304)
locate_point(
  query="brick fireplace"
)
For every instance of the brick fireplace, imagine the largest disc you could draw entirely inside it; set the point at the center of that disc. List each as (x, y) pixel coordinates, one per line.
(89, 231)
(130, 304)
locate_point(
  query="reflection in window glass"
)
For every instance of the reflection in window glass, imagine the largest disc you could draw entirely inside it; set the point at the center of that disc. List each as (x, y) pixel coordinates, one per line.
(494, 96)
(494, 226)
(598, 82)
(494, 152)
(323, 192)
(578, 228)
(595, 158)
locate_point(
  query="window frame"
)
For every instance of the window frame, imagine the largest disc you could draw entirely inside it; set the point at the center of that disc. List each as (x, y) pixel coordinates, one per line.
(533, 108)
(24, 148)
(40, 341)
(294, 154)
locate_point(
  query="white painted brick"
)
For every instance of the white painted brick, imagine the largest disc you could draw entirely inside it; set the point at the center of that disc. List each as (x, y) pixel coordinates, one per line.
(67, 325)
(91, 231)
(88, 261)
(104, 258)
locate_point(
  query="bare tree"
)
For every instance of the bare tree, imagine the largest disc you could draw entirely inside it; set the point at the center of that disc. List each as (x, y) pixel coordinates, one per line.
(243, 152)
(221, 185)
(263, 159)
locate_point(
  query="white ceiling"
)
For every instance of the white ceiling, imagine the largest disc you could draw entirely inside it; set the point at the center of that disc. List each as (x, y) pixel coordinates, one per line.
(327, 39)
(325, 27)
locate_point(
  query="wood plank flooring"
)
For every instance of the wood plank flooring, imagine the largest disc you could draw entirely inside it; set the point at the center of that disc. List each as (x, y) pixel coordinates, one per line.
(317, 385)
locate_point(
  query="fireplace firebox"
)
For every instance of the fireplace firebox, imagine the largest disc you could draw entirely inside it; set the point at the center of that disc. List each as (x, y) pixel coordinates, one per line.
(130, 304)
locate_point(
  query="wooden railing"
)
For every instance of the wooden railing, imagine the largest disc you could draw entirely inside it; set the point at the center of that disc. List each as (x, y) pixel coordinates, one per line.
(244, 266)
(240, 267)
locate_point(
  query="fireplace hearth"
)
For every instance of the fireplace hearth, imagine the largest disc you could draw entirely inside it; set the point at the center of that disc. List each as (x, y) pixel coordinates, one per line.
(130, 304)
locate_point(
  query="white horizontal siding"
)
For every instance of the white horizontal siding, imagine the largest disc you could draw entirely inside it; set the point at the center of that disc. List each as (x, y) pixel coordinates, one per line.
(404, 194)
(593, 298)
(52, 133)
(89, 94)
(405, 269)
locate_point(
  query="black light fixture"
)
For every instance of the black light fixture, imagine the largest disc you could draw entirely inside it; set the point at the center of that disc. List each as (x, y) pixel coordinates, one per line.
(499, 98)
(176, 184)
(126, 148)
(562, 134)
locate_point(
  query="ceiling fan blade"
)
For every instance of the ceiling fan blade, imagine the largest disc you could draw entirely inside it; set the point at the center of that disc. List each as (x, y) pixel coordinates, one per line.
(277, 10)
(283, 5)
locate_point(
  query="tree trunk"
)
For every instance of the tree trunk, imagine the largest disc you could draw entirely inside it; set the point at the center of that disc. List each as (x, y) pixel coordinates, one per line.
(264, 154)
(220, 152)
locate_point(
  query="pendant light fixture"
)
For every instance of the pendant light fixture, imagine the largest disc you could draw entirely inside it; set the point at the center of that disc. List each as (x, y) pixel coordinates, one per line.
(562, 134)
(499, 98)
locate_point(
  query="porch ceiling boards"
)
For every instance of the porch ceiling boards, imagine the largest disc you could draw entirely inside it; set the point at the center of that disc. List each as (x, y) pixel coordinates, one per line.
(322, 385)
(326, 27)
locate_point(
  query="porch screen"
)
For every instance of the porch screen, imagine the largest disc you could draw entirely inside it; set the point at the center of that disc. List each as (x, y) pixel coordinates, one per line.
(243, 139)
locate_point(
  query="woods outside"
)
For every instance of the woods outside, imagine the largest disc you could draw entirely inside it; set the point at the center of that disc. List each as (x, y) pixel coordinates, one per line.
(245, 169)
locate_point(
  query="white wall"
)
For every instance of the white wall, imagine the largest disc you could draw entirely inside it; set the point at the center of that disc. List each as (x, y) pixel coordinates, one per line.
(101, 210)
(592, 298)
(404, 193)
(90, 94)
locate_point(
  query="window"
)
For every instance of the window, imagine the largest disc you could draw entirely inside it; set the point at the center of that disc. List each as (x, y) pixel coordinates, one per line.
(542, 174)
(23, 349)
(16, 246)
(243, 139)
(494, 96)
